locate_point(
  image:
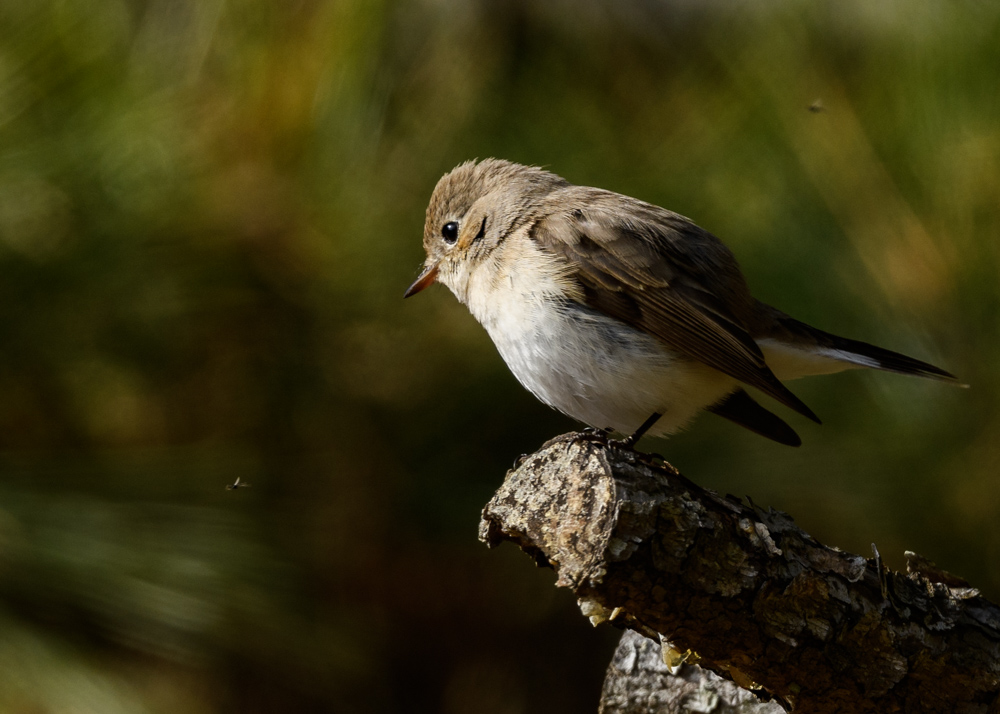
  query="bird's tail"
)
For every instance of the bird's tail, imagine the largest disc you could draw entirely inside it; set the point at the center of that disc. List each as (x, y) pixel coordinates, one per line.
(794, 349)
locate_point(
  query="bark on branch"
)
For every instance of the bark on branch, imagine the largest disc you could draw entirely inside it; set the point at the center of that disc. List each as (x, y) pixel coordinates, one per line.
(744, 592)
(640, 682)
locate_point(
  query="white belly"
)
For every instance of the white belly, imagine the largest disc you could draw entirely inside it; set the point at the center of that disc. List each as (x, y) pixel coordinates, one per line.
(605, 373)
(590, 366)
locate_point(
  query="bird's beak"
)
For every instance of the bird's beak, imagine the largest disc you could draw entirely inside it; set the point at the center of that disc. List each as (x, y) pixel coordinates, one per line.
(426, 278)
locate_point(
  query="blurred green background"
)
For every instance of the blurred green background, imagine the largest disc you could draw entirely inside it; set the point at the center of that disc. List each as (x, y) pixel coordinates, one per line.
(209, 211)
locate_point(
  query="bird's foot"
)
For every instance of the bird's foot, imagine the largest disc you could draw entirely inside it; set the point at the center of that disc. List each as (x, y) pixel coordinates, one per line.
(629, 441)
(592, 433)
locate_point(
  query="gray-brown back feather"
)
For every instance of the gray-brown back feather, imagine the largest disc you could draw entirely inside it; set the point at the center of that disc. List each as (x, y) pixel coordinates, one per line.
(660, 273)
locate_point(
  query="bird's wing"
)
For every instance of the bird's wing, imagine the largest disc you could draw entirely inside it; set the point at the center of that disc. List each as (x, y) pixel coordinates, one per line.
(660, 273)
(740, 408)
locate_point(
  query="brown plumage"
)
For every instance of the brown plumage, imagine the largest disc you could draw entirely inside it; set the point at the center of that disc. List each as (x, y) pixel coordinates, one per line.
(610, 308)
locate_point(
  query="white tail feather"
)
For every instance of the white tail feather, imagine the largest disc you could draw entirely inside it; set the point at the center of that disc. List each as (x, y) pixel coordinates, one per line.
(792, 361)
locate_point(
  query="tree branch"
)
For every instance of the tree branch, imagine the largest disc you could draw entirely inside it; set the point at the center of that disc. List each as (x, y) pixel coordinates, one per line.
(745, 592)
(640, 682)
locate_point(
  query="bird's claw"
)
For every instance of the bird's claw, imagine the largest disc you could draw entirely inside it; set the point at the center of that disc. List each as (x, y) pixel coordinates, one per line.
(592, 433)
(627, 443)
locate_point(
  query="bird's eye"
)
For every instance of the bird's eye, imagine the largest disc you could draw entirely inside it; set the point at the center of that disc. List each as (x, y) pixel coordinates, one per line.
(450, 232)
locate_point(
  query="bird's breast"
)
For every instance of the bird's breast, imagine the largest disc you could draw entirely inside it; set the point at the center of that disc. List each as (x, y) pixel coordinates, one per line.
(584, 363)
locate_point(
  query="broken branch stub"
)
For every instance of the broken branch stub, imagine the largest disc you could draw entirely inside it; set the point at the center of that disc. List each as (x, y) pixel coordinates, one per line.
(745, 592)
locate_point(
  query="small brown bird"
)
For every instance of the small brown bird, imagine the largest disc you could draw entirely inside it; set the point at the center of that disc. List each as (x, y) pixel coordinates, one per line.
(619, 313)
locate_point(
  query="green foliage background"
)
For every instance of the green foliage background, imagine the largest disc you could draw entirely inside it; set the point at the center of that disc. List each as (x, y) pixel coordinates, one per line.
(209, 211)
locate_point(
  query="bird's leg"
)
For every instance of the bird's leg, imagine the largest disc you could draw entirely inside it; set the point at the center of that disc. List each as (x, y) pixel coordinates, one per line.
(629, 441)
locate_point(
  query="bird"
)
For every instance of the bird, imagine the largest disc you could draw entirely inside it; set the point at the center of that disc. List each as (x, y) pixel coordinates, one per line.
(623, 315)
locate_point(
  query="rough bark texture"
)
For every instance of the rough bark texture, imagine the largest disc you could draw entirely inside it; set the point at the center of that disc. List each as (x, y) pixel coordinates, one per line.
(744, 592)
(639, 682)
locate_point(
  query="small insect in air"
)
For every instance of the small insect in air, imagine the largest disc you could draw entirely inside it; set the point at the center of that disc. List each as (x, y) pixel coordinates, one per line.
(236, 484)
(816, 107)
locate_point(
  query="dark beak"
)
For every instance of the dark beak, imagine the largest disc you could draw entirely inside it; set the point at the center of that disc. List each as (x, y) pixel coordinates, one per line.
(426, 278)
